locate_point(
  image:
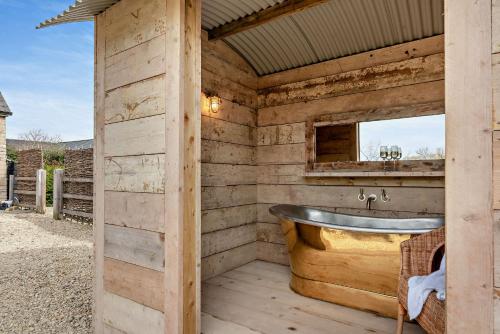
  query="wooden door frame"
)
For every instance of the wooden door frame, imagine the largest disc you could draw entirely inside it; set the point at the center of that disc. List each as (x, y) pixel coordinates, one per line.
(468, 184)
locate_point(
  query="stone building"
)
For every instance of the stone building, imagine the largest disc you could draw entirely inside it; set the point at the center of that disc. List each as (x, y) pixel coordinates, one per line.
(4, 112)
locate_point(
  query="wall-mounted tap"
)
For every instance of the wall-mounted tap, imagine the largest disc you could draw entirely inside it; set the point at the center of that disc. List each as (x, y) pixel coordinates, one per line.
(361, 195)
(369, 200)
(384, 197)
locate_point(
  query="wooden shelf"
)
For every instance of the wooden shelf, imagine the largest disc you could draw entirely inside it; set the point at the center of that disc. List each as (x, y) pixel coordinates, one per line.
(374, 174)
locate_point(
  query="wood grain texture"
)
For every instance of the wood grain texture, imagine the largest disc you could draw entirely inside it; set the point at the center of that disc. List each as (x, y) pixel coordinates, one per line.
(294, 174)
(271, 233)
(399, 52)
(227, 153)
(135, 137)
(191, 303)
(281, 154)
(227, 89)
(143, 211)
(274, 253)
(215, 129)
(428, 200)
(98, 171)
(396, 96)
(281, 134)
(213, 325)
(139, 247)
(228, 196)
(407, 72)
(131, 317)
(495, 72)
(224, 174)
(495, 29)
(469, 126)
(221, 50)
(142, 285)
(219, 263)
(144, 173)
(496, 249)
(141, 62)
(223, 240)
(141, 99)
(257, 296)
(223, 218)
(129, 23)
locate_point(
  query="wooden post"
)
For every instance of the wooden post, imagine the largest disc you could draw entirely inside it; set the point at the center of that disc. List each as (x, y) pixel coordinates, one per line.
(182, 166)
(57, 191)
(41, 179)
(98, 209)
(469, 214)
(12, 179)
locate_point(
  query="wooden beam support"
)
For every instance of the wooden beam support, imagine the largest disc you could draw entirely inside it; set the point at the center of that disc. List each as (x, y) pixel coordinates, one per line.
(285, 8)
(182, 167)
(469, 212)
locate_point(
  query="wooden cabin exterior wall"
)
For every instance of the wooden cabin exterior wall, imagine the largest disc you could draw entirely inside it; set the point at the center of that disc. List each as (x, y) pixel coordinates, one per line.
(228, 171)
(495, 49)
(146, 94)
(130, 166)
(3, 158)
(402, 75)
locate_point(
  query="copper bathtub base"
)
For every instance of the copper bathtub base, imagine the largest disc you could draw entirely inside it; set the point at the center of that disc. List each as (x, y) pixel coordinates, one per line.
(383, 305)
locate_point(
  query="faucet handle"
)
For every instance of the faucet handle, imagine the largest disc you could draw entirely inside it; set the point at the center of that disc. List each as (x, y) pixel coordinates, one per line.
(361, 195)
(385, 197)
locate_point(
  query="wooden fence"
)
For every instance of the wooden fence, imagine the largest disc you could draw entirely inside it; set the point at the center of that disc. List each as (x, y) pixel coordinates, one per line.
(28, 162)
(77, 189)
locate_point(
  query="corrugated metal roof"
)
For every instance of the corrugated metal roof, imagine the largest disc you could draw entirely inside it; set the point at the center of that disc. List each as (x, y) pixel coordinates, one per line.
(334, 29)
(218, 12)
(81, 10)
(4, 107)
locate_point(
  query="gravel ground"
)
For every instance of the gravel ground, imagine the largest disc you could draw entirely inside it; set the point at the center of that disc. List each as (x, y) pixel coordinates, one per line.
(45, 274)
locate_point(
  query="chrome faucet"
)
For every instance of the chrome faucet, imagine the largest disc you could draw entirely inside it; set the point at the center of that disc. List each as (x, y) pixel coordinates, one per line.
(369, 200)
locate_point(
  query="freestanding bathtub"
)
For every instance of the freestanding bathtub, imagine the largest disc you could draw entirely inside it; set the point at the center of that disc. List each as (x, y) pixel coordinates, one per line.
(345, 259)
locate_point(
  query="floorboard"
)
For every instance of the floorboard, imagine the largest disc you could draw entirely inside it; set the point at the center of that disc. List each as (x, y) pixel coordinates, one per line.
(255, 298)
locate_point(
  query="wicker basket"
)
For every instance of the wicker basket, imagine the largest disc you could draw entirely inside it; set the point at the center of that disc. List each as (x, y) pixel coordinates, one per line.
(422, 255)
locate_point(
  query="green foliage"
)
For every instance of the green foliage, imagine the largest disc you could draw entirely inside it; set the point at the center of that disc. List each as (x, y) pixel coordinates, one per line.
(11, 154)
(50, 181)
(53, 157)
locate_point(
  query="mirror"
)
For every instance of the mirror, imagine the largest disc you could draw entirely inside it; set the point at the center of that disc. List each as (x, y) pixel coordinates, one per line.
(405, 139)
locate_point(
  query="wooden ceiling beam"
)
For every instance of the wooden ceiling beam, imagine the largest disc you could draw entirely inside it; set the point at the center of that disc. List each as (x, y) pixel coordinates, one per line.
(285, 8)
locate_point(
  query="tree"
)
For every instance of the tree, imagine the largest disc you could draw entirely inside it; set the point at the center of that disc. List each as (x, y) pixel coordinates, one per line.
(37, 138)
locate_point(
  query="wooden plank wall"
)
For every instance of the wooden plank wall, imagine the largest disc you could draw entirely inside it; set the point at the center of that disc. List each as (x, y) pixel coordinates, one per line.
(228, 172)
(130, 118)
(400, 75)
(495, 47)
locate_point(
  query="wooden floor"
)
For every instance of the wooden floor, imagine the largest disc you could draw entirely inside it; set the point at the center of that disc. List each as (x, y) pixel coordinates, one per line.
(255, 298)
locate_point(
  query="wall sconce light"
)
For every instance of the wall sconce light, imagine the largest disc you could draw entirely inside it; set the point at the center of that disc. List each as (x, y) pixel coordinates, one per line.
(214, 103)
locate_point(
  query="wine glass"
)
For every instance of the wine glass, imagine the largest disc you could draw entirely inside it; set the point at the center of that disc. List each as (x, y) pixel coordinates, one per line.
(394, 152)
(383, 152)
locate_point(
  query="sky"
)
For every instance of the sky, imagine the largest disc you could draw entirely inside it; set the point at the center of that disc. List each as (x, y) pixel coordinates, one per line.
(46, 75)
(408, 133)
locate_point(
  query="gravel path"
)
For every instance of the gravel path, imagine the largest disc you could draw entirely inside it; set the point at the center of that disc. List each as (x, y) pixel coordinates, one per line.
(45, 274)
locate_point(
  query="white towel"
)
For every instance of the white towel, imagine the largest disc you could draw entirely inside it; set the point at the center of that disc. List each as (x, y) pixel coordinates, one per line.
(419, 288)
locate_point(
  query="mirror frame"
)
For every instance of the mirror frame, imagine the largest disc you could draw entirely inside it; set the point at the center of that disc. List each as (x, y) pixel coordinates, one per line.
(433, 167)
